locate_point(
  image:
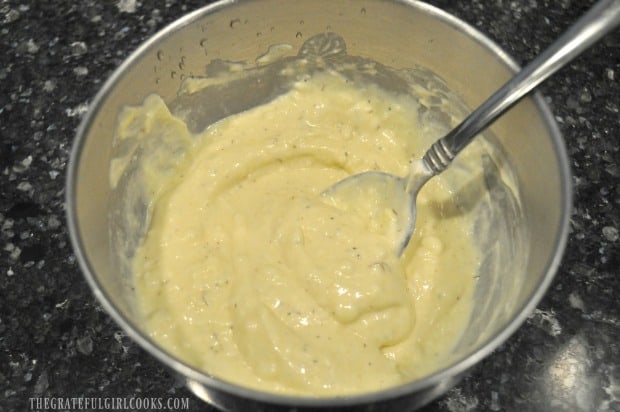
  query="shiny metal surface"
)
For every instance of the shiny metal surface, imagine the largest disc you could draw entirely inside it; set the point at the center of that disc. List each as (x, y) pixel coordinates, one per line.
(396, 33)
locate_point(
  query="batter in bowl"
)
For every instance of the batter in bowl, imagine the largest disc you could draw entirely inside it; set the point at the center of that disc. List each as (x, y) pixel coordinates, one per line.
(247, 273)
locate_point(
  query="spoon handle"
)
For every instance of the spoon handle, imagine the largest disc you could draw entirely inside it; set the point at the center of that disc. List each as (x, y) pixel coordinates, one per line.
(602, 18)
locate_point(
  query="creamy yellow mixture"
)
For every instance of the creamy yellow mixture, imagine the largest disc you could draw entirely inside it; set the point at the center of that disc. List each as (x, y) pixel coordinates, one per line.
(249, 274)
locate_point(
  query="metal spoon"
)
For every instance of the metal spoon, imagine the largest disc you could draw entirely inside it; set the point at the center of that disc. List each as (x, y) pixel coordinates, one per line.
(398, 194)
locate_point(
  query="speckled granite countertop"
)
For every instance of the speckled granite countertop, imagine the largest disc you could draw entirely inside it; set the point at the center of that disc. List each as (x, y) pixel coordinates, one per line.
(56, 341)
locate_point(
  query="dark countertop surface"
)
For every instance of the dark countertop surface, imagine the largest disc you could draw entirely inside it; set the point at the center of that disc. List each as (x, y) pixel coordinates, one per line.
(56, 340)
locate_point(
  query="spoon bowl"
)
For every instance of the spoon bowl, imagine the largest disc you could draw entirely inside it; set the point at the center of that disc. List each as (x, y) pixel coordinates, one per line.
(383, 193)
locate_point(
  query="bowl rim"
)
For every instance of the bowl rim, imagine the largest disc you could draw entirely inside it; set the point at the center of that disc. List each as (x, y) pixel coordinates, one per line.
(194, 374)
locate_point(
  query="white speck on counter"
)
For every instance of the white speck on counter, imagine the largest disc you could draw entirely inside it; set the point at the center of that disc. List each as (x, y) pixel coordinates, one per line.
(576, 302)
(77, 111)
(494, 401)
(119, 335)
(24, 186)
(49, 86)
(11, 16)
(32, 47)
(7, 225)
(85, 345)
(42, 384)
(53, 222)
(610, 233)
(78, 48)
(611, 75)
(546, 321)
(23, 165)
(612, 107)
(80, 71)
(585, 96)
(127, 6)
(457, 402)
(155, 19)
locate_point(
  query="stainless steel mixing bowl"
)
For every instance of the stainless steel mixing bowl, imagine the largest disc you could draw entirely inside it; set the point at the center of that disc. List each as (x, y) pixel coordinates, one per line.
(399, 34)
